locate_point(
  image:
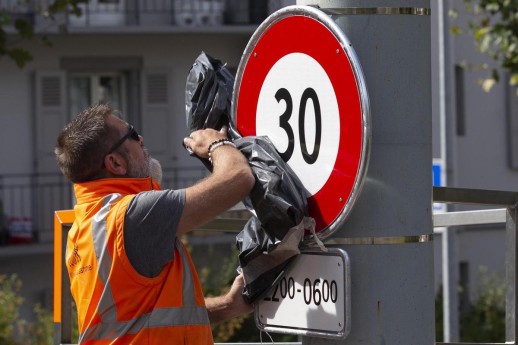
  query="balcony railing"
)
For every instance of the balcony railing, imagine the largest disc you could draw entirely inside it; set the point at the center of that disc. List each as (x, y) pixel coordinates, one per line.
(110, 13)
(27, 201)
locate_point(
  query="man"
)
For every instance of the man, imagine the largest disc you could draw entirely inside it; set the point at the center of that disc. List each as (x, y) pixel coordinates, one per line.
(131, 278)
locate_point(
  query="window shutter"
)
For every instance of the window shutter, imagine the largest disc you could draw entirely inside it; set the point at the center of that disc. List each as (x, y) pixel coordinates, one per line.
(156, 114)
(51, 116)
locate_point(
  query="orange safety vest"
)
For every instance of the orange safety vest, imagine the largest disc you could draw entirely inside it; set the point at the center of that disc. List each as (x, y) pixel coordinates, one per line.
(115, 304)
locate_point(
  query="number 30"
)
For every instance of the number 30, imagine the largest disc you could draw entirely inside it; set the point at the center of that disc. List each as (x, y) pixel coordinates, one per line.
(309, 93)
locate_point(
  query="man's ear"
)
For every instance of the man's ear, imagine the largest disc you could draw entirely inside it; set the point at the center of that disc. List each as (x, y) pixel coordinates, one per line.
(115, 164)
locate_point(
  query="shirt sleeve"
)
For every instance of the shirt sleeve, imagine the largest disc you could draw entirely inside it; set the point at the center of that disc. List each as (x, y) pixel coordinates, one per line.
(150, 229)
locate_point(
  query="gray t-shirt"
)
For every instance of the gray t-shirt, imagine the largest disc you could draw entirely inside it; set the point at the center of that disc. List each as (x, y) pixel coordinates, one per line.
(150, 229)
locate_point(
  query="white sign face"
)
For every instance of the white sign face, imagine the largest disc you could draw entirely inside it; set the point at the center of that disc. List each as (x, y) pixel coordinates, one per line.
(309, 118)
(312, 298)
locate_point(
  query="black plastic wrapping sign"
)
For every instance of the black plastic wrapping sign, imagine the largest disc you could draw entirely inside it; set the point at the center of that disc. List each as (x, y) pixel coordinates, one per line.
(271, 237)
(208, 94)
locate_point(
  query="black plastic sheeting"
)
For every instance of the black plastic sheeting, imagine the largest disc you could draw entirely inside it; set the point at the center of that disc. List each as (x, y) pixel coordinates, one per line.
(208, 94)
(271, 237)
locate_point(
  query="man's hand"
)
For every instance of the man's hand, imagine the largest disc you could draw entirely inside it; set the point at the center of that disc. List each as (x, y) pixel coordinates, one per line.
(198, 142)
(230, 305)
(236, 296)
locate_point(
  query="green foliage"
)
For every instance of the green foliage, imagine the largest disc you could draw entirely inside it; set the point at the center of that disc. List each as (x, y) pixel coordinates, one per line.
(484, 320)
(10, 301)
(494, 28)
(41, 331)
(14, 30)
(13, 330)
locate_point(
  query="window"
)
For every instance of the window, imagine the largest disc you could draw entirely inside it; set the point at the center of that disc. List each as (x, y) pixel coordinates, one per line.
(459, 101)
(88, 89)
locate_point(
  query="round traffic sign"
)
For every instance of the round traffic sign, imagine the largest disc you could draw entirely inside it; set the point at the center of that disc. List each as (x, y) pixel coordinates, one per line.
(300, 83)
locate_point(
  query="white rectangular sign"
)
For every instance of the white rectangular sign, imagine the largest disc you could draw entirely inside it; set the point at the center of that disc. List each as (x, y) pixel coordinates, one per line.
(312, 297)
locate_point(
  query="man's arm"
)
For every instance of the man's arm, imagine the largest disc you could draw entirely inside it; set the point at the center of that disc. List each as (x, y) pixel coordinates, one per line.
(230, 305)
(230, 182)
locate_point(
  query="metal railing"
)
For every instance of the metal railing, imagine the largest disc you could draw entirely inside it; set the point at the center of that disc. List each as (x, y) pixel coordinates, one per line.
(141, 12)
(507, 216)
(28, 200)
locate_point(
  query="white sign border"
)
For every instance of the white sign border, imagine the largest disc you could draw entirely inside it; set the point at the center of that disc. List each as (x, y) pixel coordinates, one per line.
(320, 16)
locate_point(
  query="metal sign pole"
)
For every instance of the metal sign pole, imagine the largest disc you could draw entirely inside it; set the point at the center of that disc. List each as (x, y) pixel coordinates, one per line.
(388, 234)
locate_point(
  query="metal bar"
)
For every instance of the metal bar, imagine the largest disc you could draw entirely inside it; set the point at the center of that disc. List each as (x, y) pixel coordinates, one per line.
(474, 196)
(347, 11)
(510, 268)
(450, 296)
(62, 298)
(512, 343)
(379, 240)
(231, 221)
(494, 216)
(224, 224)
(66, 297)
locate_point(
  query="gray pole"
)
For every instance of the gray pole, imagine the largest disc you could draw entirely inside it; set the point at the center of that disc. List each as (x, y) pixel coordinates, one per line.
(392, 284)
(449, 288)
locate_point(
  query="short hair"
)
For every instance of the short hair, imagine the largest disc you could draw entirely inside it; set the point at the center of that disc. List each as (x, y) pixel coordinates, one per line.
(83, 143)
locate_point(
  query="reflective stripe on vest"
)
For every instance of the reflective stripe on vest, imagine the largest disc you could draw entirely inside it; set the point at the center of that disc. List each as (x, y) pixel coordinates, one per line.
(109, 328)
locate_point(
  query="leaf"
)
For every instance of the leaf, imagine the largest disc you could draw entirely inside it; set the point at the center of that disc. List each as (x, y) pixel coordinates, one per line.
(513, 80)
(495, 75)
(464, 64)
(20, 56)
(4, 18)
(24, 28)
(65, 5)
(456, 30)
(45, 41)
(3, 41)
(77, 11)
(493, 7)
(481, 33)
(58, 6)
(487, 84)
(453, 13)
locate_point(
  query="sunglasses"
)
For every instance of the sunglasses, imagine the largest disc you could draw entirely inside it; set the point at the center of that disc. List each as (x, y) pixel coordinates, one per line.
(132, 133)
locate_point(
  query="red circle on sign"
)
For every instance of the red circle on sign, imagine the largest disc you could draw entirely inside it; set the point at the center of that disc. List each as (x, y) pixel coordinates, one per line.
(302, 34)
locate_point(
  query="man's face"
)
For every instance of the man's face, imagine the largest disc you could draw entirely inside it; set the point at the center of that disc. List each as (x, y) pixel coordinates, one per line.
(139, 162)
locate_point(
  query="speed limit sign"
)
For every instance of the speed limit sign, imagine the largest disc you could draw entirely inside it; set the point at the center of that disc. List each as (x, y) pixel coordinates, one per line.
(300, 83)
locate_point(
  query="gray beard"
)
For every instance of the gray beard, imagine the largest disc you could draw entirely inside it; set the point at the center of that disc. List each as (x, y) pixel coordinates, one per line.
(149, 168)
(136, 170)
(155, 170)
